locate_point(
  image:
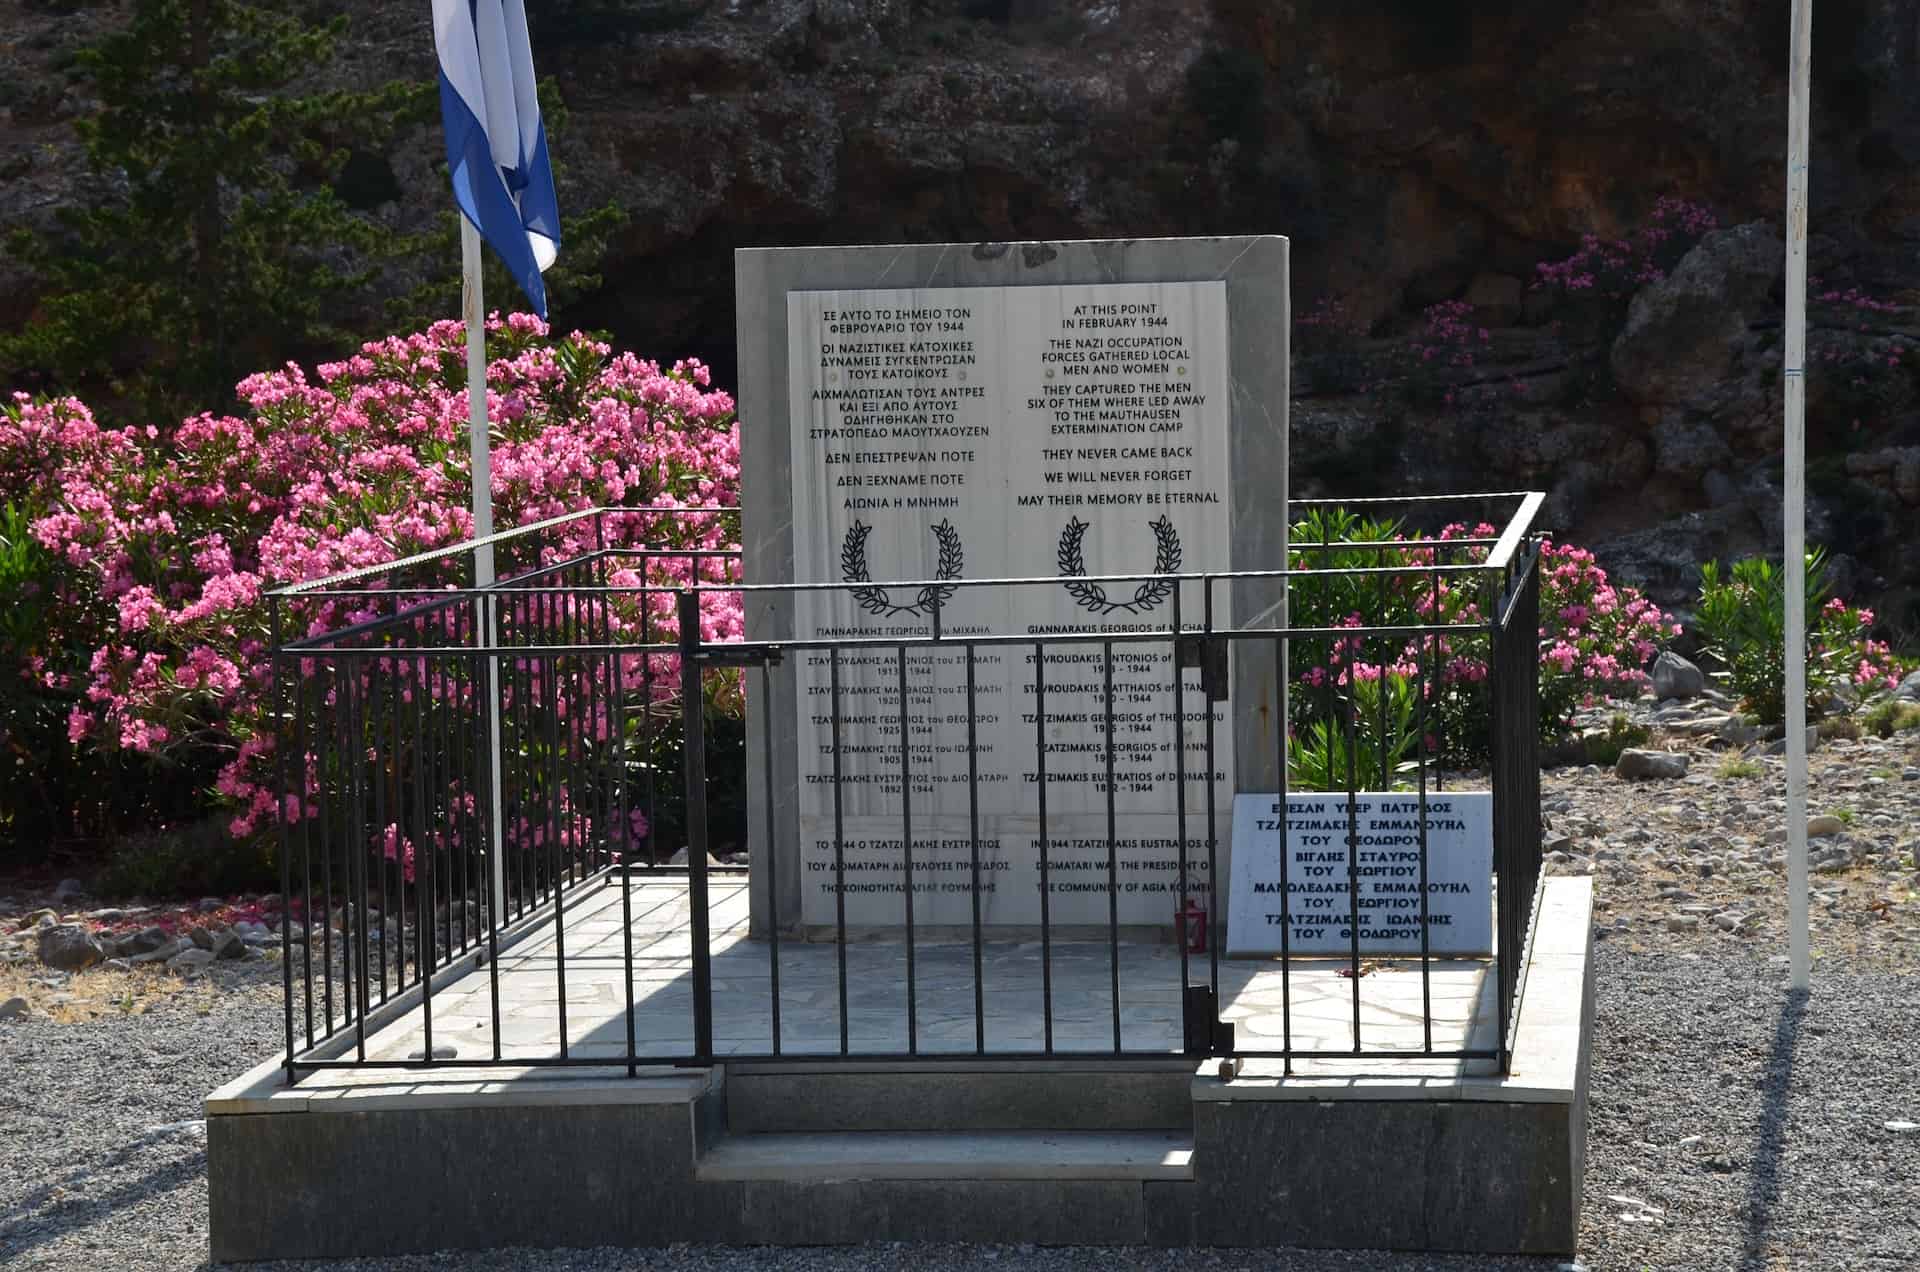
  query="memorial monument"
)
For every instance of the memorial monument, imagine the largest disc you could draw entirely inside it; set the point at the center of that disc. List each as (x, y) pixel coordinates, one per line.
(1055, 413)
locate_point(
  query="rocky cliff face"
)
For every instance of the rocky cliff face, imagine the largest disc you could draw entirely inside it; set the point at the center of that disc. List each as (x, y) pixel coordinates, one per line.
(1416, 151)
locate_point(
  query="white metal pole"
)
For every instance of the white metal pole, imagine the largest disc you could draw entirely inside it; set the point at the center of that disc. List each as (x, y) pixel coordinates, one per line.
(1795, 394)
(473, 305)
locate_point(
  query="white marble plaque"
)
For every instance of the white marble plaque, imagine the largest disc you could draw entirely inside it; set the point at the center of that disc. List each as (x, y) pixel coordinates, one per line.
(1385, 851)
(1041, 432)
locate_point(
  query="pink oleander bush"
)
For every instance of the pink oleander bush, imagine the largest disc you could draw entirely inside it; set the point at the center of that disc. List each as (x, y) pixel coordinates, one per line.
(1613, 269)
(150, 550)
(1595, 638)
(1741, 622)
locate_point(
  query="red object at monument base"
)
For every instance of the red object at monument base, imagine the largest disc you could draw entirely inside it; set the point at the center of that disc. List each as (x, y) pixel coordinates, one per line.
(1190, 926)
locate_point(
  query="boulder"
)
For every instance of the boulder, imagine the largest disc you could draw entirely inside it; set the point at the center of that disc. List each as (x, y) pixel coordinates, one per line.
(145, 941)
(1635, 765)
(228, 944)
(162, 953)
(69, 947)
(1675, 677)
(1682, 332)
(189, 961)
(1825, 826)
(15, 1008)
(1909, 690)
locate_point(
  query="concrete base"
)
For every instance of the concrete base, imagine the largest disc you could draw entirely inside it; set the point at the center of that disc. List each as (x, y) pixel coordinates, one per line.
(1402, 1154)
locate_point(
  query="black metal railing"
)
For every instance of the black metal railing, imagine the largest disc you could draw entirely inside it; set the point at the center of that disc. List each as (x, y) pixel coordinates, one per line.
(469, 772)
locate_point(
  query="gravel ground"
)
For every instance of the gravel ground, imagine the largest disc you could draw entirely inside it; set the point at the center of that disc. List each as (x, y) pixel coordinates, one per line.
(1729, 1130)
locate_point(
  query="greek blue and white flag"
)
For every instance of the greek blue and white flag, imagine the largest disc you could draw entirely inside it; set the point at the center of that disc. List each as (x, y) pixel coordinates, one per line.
(496, 147)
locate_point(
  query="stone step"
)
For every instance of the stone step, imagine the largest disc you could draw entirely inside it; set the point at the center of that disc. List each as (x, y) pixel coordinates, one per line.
(792, 1097)
(951, 1155)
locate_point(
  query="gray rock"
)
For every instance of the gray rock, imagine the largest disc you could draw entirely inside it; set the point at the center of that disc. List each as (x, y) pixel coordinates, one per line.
(189, 961)
(68, 889)
(1683, 332)
(200, 936)
(161, 953)
(1825, 826)
(145, 941)
(1779, 746)
(1729, 920)
(207, 905)
(70, 947)
(15, 1008)
(1675, 677)
(1636, 765)
(118, 965)
(1683, 922)
(1909, 690)
(227, 944)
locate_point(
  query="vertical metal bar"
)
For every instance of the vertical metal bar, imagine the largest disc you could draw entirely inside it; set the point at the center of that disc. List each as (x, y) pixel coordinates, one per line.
(1180, 790)
(453, 784)
(1380, 610)
(1433, 642)
(906, 848)
(1281, 744)
(557, 737)
(773, 877)
(1793, 510)
(839, 845)
(603, 679)
(1505, 885)
(516, 740)
(1113, 851)
(554, 773)
(356, 934)
(646, 722)
(489, 747)
(1355, 647)
(617, 723)
(1046, 886)
(315, 732)
(385, 758)
(424, 853)
(973, 833)
(283, 743)
(1214, 891)
(341, 752)
(465, 785)
(694, 738)
(1423, 671)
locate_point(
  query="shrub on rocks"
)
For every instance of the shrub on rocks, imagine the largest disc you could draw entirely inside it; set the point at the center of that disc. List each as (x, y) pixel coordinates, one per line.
(141, 555)
(1741, 622)
(1596, 638)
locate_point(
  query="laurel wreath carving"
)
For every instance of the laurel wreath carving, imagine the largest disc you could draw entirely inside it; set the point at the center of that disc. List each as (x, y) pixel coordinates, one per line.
(1093, 597)
(876, 600)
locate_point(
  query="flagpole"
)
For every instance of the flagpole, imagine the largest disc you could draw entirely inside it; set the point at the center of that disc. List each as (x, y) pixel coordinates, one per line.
(473, 305)
(1794, 392)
